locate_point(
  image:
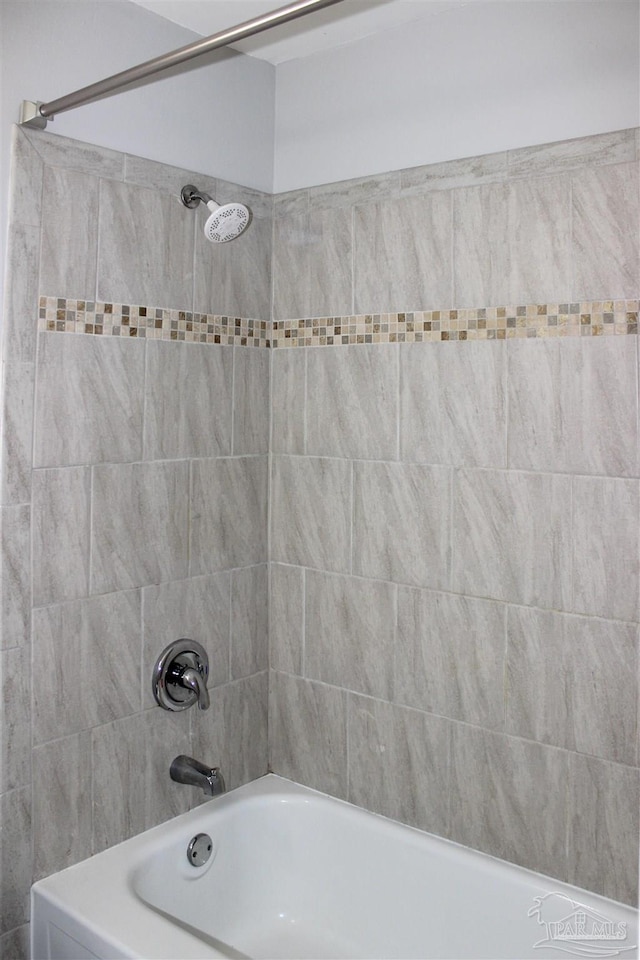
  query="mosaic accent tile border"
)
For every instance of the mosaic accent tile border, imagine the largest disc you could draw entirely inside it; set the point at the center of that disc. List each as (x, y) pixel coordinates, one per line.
(585, 319)
(592, 318)
(62, 315)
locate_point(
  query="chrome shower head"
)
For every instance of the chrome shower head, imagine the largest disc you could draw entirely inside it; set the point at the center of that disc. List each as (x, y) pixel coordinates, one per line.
(226, 222)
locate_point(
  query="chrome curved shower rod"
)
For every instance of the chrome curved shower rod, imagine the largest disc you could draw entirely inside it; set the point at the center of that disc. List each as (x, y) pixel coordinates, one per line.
(36, 114)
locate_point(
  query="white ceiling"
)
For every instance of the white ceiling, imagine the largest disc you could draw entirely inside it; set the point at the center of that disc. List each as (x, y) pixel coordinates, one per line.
(335, 25)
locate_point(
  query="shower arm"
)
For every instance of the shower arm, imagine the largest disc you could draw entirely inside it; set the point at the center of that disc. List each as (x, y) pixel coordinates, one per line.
(36, 113)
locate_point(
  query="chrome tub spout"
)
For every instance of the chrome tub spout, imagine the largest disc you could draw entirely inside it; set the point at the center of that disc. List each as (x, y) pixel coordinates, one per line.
(187, 770)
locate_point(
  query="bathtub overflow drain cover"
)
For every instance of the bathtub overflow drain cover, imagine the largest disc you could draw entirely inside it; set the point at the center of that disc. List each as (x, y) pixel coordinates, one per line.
(199, 849)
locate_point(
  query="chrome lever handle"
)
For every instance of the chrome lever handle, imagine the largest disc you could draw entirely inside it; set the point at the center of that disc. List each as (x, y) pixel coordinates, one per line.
(180, 676)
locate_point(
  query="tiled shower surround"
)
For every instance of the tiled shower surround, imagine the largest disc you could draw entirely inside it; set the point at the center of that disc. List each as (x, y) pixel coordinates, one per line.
(432, 545)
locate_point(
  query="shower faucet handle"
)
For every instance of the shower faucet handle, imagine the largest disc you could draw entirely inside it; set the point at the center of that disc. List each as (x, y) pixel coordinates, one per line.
(180, 676)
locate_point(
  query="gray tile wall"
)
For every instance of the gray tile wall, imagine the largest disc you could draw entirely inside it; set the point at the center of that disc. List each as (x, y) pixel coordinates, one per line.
(477, 625)
(453, 585)
(133, 507)
(455, 526)
(551, 223)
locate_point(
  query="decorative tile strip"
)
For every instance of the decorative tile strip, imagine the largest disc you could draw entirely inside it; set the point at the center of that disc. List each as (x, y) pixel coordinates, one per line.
(94, 317)
(591, 318)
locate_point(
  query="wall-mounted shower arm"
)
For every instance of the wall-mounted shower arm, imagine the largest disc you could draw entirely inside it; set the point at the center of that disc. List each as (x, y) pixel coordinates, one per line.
(36, 114)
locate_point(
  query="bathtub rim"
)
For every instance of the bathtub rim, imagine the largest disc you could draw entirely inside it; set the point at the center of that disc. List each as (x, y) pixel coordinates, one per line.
(125, 939)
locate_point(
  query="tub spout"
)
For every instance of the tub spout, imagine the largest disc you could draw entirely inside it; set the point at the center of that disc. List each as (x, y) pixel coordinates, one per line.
(187, 770)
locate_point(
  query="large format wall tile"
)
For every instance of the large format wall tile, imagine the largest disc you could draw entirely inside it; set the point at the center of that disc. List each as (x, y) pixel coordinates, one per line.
(449, 656)
(352, 402)
(330, 263)
(250, 401)
(69, 234)
(249, 621)
(572, 682)
(605, 547)
(232, 735)
(118, 761)
(288, 389)
(228, 513)
(481, 245)
(308, 733)
(15, 576)
(130, 758)
(291, 266)
(89, 400)
(606, 240)
(234, 279)
(60, 534)
(14, 945)
(402, 254)
(512, 537)
(15, 718)
(139, 524)
(453, 404)
(26, 173)
(200, 609)
(164, 177)
(286, 617)
(98, 679)
(21, 293)
(350, 632)
(166, 736)
(508, 798)
(312, 260)
(402, 521)
(311, 512)
(146, 247)
(61, 804)
(188, 397)
(573, 405)
(15, 858)
(540, 240)
(604, 801)
(16, 411)
(399, 763)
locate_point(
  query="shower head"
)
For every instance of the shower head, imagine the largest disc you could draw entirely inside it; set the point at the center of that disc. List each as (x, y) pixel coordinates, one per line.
(226, 222)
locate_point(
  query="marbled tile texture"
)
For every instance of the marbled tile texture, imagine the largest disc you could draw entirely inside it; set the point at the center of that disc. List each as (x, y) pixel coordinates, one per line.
(133, 502)
(466, 596)
(447, 594)
(455, 525)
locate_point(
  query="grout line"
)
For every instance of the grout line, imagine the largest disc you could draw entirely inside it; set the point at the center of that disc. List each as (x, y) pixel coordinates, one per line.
(305, 405)
(229, 657)
(189, 518)
(91, 522)
(452, 525)
(505, 674)
(303, 646)
(143, 614)
(352, 511)
(353, 259)
(233, 399)
(347, 733)
(399, 404)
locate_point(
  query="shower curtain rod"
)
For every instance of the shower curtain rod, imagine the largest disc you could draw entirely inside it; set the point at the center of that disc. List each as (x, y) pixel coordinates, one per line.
(36, 113)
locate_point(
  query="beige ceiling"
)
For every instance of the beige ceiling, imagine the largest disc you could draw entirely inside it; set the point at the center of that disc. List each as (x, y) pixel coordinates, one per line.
(335, 25)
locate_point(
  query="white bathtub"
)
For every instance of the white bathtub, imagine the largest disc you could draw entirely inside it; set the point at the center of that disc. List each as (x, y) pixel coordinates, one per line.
(295, 874)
